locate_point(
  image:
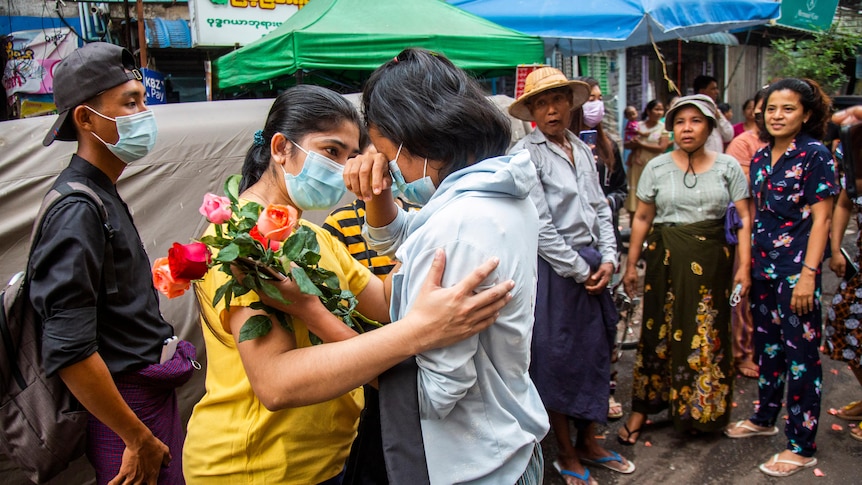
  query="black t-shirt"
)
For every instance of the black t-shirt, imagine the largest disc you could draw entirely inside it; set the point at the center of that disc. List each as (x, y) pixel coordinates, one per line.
(67, 287)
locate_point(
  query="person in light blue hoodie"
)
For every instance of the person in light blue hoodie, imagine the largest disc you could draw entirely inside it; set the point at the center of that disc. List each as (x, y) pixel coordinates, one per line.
(469, 412)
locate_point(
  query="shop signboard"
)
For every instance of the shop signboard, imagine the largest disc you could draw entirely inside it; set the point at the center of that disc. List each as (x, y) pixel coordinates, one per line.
(154, 83)
(807, 14)
(521, 73)
(237, 22)
(32, 57)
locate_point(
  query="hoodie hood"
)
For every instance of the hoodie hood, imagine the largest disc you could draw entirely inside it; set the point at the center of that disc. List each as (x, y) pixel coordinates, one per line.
(506, 176)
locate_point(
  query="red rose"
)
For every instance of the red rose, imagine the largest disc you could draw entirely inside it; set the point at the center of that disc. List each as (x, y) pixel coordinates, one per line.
(277, 222)
(164, 282)
(189, 261)
(257, 236)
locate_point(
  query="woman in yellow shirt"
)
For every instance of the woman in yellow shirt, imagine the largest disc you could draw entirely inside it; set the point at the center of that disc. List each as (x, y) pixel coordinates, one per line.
(276, 409)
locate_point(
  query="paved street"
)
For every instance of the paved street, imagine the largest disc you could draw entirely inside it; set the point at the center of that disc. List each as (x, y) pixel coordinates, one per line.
(675, 458)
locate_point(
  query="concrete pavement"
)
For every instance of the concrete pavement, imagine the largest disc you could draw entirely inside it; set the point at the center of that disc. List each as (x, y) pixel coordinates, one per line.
(676, 458)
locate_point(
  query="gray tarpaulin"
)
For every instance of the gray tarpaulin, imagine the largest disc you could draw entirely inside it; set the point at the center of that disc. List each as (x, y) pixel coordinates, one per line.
(198, 146)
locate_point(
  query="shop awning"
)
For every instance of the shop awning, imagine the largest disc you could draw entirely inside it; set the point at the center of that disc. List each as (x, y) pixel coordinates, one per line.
(361, 35)
(599, 25)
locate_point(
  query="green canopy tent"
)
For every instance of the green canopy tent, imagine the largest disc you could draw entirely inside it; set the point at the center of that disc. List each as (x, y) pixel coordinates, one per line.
(338, 38)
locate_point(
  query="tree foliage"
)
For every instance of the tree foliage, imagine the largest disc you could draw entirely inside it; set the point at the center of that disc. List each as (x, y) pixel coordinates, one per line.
(820, 57)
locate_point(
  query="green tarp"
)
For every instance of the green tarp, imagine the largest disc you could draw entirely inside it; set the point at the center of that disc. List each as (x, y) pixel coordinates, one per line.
(360, 35)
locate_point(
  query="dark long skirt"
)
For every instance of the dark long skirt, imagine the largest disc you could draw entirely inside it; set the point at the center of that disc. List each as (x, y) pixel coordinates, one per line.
(150, 392)
(684, 359)
(572, 341)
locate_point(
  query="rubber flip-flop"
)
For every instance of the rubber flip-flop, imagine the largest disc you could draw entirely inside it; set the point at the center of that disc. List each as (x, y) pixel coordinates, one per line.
(606, 461)
(799, 466)
(585, 477)
(750, 430)
(849, 417)
(612, 403)
(629, 433)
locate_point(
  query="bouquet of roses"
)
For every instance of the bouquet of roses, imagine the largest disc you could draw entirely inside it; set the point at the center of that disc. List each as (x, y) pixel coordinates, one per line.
(267, 244)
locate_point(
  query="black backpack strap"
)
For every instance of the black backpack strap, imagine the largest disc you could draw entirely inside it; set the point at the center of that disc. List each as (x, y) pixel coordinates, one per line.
(59, 193)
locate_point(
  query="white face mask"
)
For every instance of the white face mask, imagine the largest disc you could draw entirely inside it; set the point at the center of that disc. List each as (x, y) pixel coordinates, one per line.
(137, 135)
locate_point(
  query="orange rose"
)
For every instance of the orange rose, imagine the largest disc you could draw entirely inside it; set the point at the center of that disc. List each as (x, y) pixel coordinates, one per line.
(277, 222)
(164, 282)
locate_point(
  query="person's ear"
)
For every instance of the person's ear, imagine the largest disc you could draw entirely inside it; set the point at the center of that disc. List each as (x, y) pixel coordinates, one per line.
(278, 148)
(82, 118)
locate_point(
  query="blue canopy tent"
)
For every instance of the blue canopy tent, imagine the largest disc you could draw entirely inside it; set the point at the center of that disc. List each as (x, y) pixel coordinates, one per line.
(588, 26)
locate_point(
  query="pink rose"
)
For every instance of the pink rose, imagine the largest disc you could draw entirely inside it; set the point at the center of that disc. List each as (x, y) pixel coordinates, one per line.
(277, 222)
(164, 282)
(216, 209)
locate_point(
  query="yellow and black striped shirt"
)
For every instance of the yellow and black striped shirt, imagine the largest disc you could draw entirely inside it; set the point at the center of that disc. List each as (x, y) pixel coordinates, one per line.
(345, 224)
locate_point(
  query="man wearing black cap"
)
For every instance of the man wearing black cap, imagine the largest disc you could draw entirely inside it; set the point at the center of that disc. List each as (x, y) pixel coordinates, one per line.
(102, 329)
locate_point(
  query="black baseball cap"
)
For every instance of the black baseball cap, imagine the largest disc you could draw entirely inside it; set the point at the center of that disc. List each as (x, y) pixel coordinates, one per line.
(84, 74)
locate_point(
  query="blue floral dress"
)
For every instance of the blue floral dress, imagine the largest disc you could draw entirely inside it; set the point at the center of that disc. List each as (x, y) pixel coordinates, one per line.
(786, 344)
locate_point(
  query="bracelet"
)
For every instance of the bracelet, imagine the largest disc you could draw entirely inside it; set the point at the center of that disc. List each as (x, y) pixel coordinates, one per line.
(817, 271)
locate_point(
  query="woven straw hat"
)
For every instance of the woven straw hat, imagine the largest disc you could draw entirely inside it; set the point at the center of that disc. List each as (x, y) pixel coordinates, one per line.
(541, 80)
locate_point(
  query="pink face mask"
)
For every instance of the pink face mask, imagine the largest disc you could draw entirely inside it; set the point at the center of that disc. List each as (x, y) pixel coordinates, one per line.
(593, 111)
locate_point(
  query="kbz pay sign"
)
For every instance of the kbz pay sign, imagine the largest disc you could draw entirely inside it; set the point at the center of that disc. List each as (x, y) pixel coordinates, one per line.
(154, 83)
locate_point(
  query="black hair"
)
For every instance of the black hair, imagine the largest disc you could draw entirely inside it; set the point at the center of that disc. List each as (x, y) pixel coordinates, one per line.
(649, 107)
(724, 107)
(423, 101)
(701, 82)
(296, 113)
(604, 147)
(813, 100)
(762, 134)
(747, 102)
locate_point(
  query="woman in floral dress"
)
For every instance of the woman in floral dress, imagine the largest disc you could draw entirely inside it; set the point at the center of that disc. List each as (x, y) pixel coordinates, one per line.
(793, 182)
(843, 329)
(684, 360)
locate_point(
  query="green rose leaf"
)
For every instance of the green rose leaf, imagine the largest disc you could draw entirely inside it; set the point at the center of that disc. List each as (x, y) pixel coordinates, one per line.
(250, 210)
(271, 291)
(247, 244)
(215, 241)
(228, 253)
(304, 282)
(222, 291)
(231, 187)
(254, 327)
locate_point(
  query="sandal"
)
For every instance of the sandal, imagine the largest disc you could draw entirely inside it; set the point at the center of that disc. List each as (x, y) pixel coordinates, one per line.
(615, 409)
(843, 412)
(750, 429)
(629, 433)
(775, 460)
(856, 433)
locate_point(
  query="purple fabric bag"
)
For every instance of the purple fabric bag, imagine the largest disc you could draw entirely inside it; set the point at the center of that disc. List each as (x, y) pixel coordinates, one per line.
(732, 223)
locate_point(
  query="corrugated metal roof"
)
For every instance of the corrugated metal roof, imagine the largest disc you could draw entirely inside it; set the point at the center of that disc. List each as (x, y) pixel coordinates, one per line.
(720, 38)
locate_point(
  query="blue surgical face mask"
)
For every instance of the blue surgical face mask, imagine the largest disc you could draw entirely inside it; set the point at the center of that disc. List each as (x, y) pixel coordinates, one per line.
(418, 191)
(319, 185)
(137, 135)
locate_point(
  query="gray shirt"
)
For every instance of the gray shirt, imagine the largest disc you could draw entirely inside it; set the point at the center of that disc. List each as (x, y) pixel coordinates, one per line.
(662, 184)
(573, 210)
